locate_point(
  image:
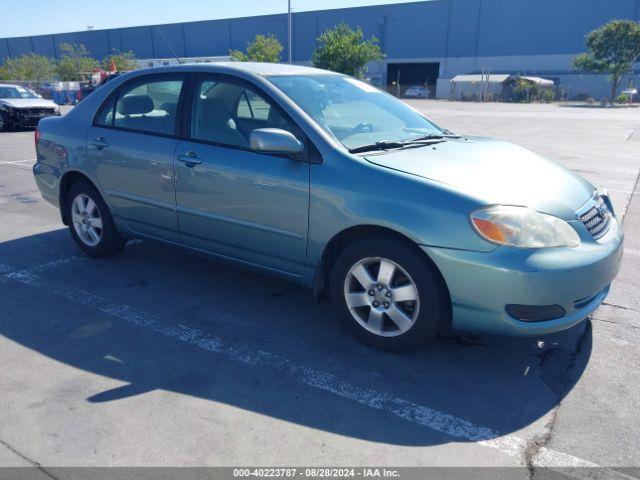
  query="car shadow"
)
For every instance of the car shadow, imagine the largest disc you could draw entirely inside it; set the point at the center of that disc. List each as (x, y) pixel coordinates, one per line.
(72, 314)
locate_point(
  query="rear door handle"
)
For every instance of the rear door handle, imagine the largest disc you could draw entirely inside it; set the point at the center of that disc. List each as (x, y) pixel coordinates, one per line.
(190, 159)
(100, 143)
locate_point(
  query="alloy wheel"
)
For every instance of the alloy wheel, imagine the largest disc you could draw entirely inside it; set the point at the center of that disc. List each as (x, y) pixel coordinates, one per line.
(381, 296)
(87, 221)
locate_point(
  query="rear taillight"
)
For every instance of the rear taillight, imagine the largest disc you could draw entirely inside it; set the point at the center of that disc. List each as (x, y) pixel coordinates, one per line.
(37, 136)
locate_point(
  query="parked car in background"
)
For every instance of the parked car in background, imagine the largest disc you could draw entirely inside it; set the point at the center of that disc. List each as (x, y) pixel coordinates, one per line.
(416, 91)
(21, 107)
(327, 181)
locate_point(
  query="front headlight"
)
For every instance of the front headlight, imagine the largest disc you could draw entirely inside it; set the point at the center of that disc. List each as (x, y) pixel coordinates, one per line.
(523, 227)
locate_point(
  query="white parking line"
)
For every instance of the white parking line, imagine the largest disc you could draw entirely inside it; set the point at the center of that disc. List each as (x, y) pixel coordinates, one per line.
(631, 251)
(407, 410)
(8, 272)
(30, 160)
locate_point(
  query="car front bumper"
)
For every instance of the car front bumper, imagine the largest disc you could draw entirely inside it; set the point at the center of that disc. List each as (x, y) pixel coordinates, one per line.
(482, 284)
(29, 117)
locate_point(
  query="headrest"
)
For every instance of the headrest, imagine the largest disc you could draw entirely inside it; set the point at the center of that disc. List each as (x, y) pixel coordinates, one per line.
(135, 105)
(213, 111)
(212, 106)
(170, 108)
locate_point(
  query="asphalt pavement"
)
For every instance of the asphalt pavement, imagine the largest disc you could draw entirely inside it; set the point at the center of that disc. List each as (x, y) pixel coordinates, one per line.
(159, 357)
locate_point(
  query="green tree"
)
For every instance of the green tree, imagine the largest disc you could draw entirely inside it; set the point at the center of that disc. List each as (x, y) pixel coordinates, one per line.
(264, 48)
(28, 67)
(346, 51)
(613, 48)
(124, 61)
(525, 91)
(74, 61)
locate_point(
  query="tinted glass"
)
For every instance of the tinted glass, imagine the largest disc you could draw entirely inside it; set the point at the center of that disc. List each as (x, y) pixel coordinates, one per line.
(105, 117)
(354, 112)
(227, 113)
(253, 106)
(148, 106)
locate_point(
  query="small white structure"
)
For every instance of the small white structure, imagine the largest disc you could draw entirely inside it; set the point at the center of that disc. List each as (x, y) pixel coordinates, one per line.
(541, 82)
(491, 86)
(631, 93)
(479, 87)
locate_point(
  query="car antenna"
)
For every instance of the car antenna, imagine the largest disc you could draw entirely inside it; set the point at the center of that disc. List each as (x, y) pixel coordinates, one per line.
(169, 45)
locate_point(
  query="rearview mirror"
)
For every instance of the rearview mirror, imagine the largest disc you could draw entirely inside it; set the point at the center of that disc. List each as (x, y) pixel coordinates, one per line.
(275, 140)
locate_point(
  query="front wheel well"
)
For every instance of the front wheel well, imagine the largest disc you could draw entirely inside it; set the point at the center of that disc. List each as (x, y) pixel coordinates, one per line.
(355, 234)
(66, 182)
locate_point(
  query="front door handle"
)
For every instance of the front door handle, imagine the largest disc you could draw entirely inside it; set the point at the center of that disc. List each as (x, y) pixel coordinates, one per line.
(100, 143)
(190, 159)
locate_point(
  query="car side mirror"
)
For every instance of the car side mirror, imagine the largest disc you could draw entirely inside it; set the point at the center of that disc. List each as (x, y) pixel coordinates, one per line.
(275, 140)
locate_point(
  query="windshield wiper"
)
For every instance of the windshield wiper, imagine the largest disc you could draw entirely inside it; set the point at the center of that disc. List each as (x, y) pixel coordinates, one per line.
(390, 144)
(427, 139)
(435, 136)
(381, 145)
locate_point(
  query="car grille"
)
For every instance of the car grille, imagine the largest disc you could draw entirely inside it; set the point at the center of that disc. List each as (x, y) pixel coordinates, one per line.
(596, 216)
(37, 111)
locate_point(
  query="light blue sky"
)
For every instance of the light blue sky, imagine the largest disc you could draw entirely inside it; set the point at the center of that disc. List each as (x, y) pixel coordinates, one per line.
(36, 17)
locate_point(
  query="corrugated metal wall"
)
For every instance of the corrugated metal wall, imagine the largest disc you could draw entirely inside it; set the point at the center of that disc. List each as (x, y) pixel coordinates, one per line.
(432, 29)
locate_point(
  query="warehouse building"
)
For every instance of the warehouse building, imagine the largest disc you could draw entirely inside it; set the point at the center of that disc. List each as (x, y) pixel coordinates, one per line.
(425, 43)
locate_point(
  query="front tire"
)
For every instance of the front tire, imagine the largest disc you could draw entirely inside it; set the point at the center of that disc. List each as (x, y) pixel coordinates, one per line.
(5, 125)
(90, 222)
(390, 296)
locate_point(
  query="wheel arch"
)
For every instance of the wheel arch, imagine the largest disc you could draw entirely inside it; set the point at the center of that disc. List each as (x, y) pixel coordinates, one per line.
(67, 180)
(354, 234)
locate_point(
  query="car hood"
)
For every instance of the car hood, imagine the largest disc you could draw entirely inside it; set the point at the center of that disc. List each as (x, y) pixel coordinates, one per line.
(494, 172)
(27, 102)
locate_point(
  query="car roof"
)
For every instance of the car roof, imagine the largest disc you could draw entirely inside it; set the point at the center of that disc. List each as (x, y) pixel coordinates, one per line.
(255, 68)
(8, 85)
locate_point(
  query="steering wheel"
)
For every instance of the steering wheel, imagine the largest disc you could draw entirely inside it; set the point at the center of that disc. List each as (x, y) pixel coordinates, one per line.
(362, 127)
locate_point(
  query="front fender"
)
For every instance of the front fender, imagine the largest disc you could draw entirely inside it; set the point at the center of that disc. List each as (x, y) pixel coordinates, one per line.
(347, 191)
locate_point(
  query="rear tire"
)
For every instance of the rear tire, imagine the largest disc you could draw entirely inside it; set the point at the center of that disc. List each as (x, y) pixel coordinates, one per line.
(390, 296)
(90, 222)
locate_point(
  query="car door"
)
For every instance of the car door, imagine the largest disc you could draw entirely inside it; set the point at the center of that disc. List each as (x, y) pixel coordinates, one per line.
(231, 200)
(131, 147)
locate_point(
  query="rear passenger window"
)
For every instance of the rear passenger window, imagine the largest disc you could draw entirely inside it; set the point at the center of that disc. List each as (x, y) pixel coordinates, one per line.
(105, 117)
(148, 106)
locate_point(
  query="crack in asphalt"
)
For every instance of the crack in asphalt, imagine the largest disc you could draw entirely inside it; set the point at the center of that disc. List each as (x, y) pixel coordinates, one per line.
(560, 388)
(561, 385)
(535, 443)
(615, 323)
(619, 306)
(634, 191)
(33, 463)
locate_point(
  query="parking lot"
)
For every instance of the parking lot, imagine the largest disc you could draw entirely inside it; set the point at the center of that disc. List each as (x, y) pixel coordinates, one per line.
(159, 357)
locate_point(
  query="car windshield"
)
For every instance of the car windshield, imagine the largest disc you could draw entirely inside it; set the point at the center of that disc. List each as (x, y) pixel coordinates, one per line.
(354, 112)
(16, 92)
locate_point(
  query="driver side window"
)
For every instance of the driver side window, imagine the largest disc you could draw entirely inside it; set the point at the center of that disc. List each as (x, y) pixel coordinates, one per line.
(253, 106)
(226, 113)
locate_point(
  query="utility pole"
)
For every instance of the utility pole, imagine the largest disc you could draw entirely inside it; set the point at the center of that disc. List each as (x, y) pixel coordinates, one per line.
(290, 32)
